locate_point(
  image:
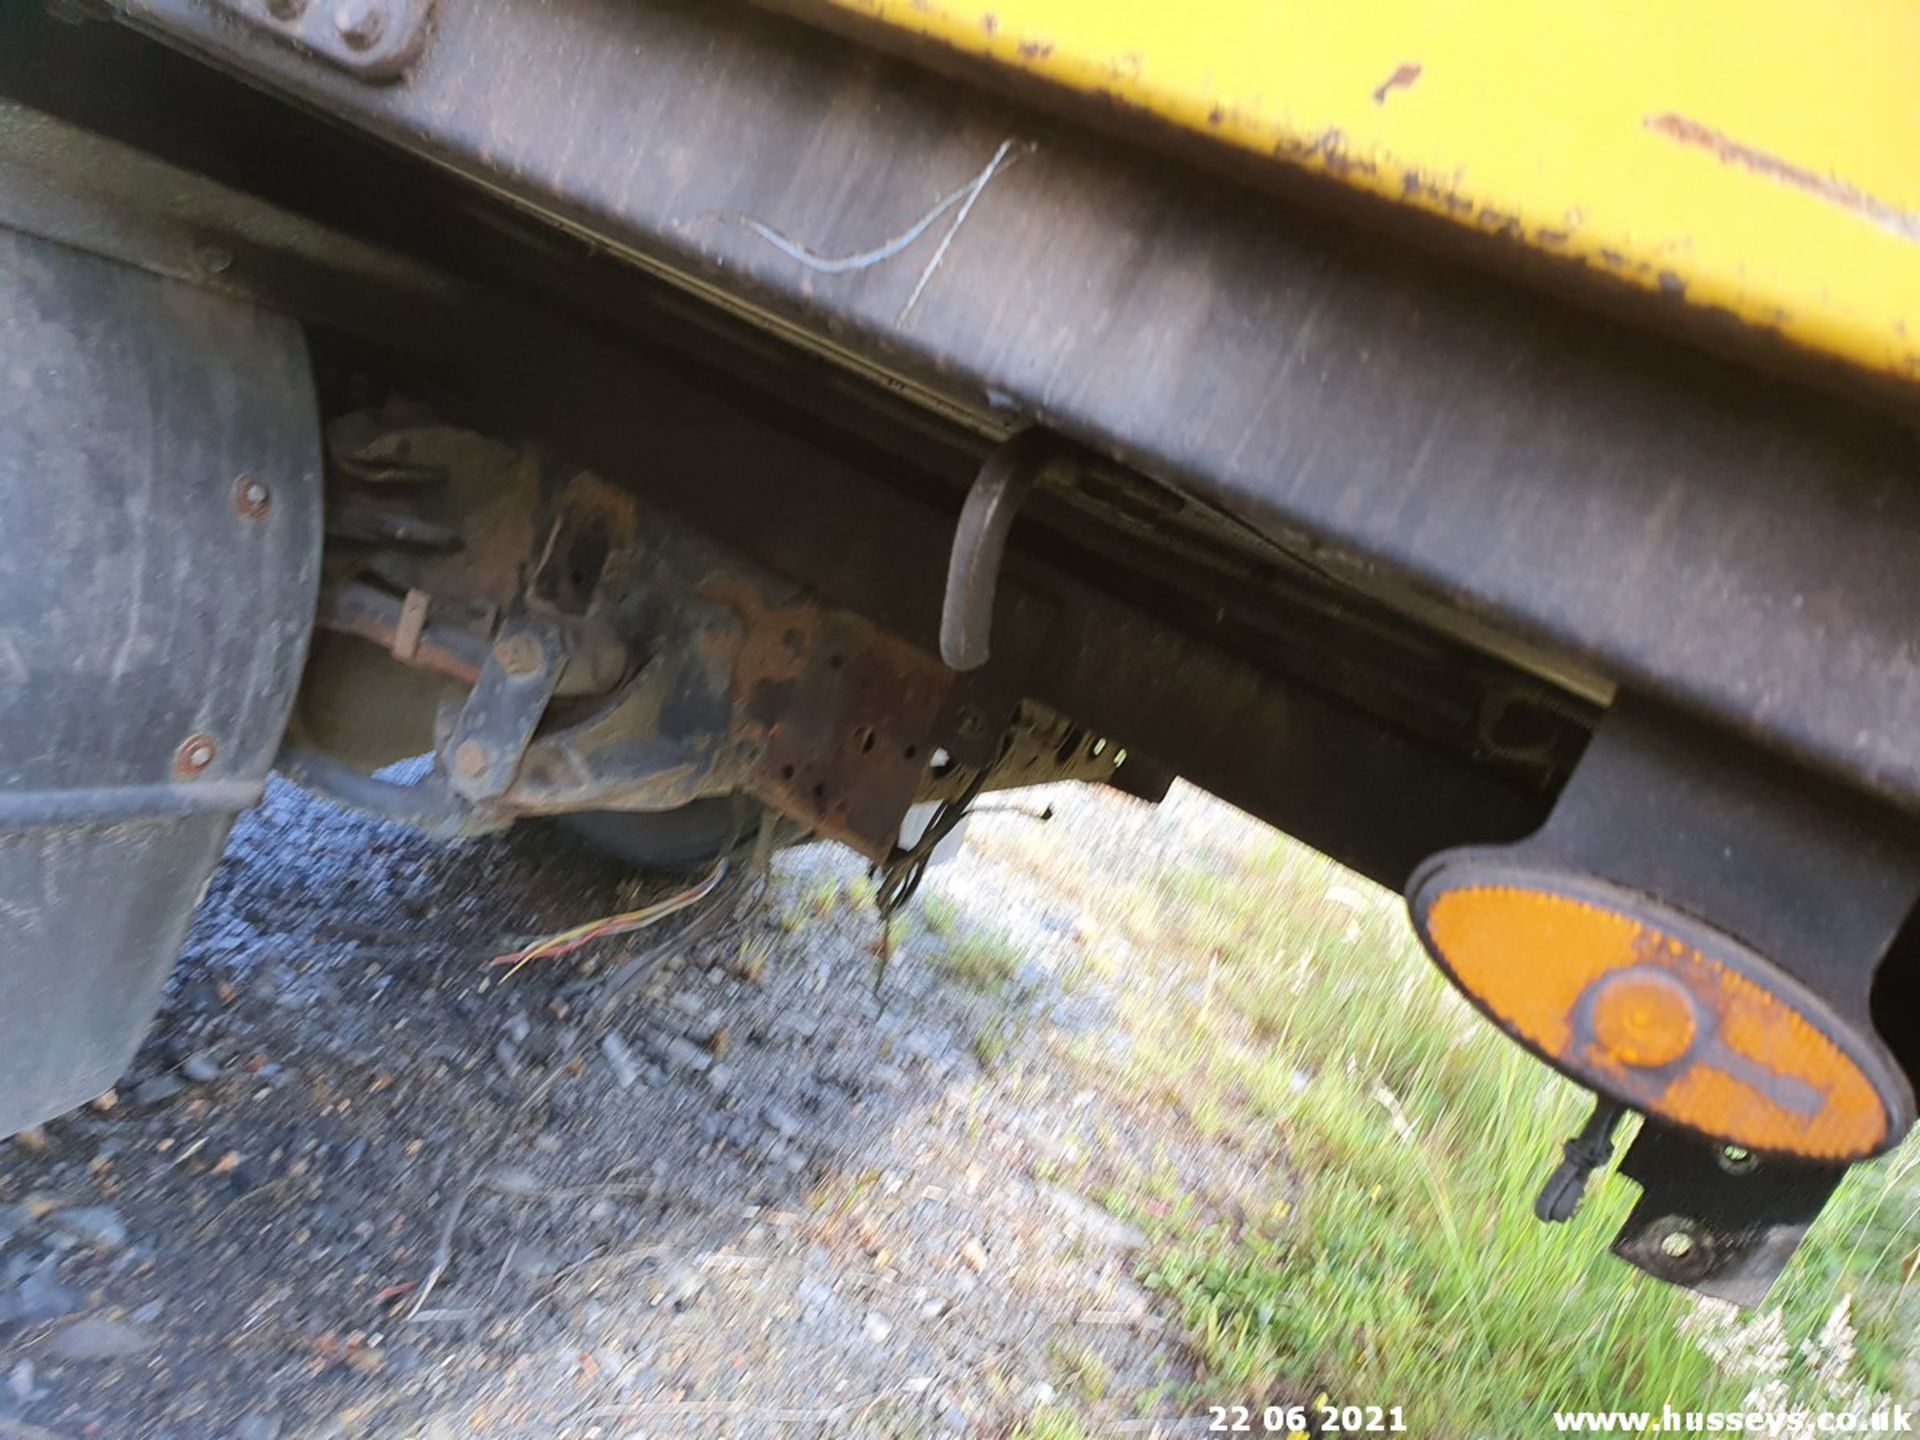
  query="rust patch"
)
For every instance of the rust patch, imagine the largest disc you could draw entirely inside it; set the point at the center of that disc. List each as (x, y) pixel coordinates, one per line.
(1729, 151)
(1416, 186)
(1402, 78)
(1500, 222)
(842, 717)
(847, 717)
(361, 611)
(1327, 150)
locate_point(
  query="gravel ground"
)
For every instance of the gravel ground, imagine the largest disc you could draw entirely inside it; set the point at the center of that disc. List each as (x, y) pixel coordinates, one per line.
(764, 1203)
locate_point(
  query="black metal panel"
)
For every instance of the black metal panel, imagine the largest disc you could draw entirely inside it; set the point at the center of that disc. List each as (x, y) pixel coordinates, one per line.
(1716, 537)
(159, 485)
(159, 553)
(1724, 1224)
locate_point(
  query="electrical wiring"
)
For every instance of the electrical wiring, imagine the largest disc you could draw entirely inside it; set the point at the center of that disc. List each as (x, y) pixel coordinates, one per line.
(565, 942)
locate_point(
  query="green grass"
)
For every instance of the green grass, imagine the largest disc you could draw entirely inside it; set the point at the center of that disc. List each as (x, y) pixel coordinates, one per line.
(1387, 1254)
(1050, 1423)
(997, 1037)
(937, 914)
(1078, 1370)
(981, 960)
(824, 898)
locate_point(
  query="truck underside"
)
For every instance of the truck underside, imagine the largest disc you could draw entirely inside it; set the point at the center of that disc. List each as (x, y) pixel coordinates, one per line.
(680, 414)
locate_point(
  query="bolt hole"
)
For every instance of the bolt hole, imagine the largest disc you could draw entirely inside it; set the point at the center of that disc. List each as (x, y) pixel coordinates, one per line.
(786, 772)
(864, 737)
(911, 751)
(835, 662)
(819, 792)
(1737, 1160)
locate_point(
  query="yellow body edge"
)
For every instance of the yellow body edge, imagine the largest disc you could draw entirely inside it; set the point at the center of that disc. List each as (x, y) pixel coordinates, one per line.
(1758, 158)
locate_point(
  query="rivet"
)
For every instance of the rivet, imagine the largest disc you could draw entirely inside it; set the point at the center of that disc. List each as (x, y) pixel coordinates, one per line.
(195, 754)
(472, 759)
(251, 497)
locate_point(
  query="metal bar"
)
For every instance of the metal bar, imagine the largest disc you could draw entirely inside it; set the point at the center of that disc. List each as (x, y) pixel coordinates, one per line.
(112, 804)
(979, 545)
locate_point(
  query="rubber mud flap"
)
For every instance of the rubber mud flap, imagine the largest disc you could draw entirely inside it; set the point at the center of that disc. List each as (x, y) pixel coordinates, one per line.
(159, 558)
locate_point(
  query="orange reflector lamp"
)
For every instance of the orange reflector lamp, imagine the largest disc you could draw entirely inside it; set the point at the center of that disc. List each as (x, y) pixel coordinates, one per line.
(1662, 1012)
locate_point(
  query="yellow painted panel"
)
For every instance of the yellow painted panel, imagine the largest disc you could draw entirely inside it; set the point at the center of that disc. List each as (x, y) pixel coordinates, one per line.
(1756, 156)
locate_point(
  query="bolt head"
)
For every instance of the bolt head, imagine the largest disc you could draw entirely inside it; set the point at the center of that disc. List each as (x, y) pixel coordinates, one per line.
(519, 655)
(286, 9)
(1676, 1244)
(360, 23)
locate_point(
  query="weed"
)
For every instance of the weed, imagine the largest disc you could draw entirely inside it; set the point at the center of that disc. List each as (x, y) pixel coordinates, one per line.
(938, 914)
(1050, 1423)
(981, 960)
(825, 896)
(997, 1038)
(1079, 1370)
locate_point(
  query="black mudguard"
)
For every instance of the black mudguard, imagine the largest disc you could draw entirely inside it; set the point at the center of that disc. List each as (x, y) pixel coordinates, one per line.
(159, 558)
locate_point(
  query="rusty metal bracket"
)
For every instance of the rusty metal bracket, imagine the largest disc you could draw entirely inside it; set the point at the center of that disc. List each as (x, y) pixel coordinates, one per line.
(491, 735)
(980, 542)
(372, 40)
(850, 719)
